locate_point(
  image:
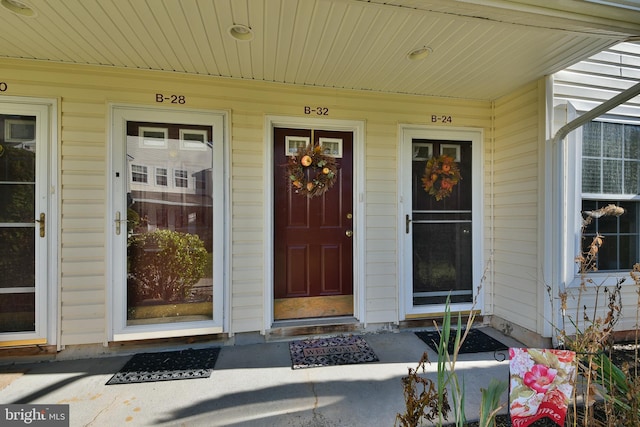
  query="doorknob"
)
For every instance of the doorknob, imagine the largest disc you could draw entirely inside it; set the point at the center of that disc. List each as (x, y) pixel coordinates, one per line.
(407, 223)
(42, 223)
(349, 233)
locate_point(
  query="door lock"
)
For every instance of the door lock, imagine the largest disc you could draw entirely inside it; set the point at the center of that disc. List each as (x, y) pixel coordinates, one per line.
(349, 233)
(42, 223)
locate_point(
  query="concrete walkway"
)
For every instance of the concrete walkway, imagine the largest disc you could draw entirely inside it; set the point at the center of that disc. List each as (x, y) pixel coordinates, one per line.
(251, 385)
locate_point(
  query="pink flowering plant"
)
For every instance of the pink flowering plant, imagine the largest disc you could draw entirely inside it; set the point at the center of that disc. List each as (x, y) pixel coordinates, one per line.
(541, 384)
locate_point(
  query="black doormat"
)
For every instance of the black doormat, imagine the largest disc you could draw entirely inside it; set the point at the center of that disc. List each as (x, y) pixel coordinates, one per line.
(476, 341)
(341, 350)
(167, 366)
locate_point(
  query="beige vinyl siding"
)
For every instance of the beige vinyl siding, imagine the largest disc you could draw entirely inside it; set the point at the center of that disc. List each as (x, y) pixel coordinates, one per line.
(596, 302)
(515, 208)
(83, 198)
(84, 94)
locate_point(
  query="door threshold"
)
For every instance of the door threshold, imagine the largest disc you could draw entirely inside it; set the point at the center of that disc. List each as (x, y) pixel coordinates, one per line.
(312, 326)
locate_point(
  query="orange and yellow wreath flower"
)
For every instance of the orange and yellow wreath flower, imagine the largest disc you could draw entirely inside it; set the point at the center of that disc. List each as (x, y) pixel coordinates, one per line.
(441, 174)
(311, 172)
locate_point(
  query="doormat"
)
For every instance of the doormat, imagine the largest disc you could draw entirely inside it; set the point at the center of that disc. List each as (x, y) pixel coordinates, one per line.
(476, 342)
(341, 350)
(167, 366)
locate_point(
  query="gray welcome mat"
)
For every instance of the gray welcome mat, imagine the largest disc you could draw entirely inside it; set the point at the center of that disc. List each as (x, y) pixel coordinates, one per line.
(167, 366)
(341, 350)
(476, 341)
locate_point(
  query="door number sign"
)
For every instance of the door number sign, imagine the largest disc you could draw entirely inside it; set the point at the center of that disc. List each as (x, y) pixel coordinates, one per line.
(435, 118)
(171, 99)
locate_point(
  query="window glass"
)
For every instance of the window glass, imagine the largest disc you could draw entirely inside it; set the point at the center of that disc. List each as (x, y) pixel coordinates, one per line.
(612, 176)
(610, 168)
(181, 179)
(631, 177)
(591, 143)
(612, 140)
(138, 173)
(161, 176)
(632, 142)
(621, 237)
(591, 176)
(170, 224)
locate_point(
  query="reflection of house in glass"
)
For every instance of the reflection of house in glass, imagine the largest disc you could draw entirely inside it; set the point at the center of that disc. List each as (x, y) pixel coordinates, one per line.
(170, 177)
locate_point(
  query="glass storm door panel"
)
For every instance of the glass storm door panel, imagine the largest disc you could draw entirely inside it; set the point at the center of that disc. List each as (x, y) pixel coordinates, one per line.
(23, 230)
(168, 236)
(441, 230)
(169, 223)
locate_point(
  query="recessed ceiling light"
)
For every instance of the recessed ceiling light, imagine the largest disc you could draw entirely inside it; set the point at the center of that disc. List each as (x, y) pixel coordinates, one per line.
(18, 7)
(419, 53)
(241, 32)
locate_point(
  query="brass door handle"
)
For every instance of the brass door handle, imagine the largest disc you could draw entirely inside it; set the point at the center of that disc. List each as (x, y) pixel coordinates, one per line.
(42, 223)
(349, 233)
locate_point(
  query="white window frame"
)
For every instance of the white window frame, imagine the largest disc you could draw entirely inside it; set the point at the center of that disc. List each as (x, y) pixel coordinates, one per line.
(8, 127)
(331, 142)
(177, 178)
(569, 219)
(120, 114)
(293, 143)
(164, 175)
(140, 173)
(428, 146)
(152, 142)
(195, 145)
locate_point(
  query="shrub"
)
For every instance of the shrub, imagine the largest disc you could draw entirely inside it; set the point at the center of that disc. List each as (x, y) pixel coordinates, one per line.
(164, 264)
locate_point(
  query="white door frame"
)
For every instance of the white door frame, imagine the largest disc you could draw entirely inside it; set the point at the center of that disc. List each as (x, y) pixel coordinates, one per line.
(405, 272)
(119, 114)
(47, 323)
(358, 129)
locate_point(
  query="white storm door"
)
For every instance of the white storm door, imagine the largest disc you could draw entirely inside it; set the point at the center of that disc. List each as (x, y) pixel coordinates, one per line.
(27, 273)
(167, 222)
(440, 230)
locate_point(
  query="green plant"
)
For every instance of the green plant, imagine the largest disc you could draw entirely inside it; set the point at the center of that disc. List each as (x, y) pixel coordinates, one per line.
(164, 264)
(447, 375)
(490, 404)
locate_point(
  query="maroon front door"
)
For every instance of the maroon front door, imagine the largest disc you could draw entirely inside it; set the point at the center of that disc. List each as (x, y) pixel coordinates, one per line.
(313, 244)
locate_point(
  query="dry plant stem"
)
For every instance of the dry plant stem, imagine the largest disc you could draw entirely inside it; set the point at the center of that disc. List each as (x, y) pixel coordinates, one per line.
(620, 392)
(420, 405)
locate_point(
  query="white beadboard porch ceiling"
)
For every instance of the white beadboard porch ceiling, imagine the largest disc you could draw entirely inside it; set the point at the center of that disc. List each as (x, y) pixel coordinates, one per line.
(481, 49)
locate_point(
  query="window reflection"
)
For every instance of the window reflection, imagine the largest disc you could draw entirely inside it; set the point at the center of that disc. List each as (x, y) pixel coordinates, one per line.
(170, 217)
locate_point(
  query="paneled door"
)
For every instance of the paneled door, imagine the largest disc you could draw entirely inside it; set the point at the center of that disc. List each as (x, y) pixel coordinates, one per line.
(24, 222)
(313, 236)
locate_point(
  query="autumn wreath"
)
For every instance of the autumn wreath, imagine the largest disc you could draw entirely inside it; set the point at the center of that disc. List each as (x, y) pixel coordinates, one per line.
(311, 172)
(441, 174)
